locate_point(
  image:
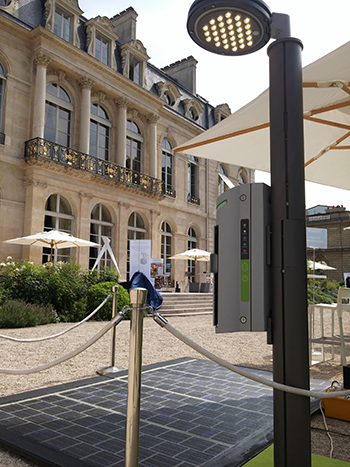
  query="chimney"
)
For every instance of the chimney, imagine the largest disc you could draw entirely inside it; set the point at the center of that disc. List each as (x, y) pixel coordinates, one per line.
(124, 25)
(184, 72)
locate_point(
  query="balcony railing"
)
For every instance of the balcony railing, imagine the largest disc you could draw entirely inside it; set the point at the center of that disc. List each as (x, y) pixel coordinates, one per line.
(192, 199)
(169, 192)
(40, 149)
(2, 138)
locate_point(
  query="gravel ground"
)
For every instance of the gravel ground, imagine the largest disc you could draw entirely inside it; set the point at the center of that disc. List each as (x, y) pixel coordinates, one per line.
(247, 349)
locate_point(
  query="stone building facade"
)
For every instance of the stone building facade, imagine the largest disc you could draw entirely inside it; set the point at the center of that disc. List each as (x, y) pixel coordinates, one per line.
(87, 131)
(337, 254)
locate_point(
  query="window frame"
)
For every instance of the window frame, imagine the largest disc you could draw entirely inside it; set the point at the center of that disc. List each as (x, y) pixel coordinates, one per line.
(97, 238)
(105, 57)
(58, 104)
(192, 243)
(101, 122)
(167, 156)
(60, 12)
(192, 174)
(134, 231)
(134, 137)
(166, 245)
(2, 95)
(57, 216)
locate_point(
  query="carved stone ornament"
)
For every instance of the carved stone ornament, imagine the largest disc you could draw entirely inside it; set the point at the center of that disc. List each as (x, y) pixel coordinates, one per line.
(42, 59)
(86, 195)
(98, 96)
(106, 23)
(152, 118)
(36, 183)
(86, 83)
(122, 102)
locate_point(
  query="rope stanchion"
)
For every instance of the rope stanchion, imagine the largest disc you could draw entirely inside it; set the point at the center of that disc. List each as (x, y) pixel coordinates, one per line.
(159, 319)
(114, 322)
(40, 339)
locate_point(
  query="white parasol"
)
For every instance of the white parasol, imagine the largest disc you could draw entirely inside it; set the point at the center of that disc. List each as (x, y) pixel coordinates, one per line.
(196, 255)
(52, 239)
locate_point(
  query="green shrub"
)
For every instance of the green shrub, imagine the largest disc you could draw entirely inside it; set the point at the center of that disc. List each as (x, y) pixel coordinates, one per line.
(104, 275)
(98, 292)
(18, 314)
(322, 291)
(62, 285)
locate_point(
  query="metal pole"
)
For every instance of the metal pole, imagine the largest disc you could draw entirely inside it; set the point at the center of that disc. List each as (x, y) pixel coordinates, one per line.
(289, 281)
(114, 313)
(137, 300)
(112, 368)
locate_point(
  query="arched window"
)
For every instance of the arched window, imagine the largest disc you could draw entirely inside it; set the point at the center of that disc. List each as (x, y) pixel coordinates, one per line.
(99, 132)
(134, 142)
(167, 165)
(101, 226)
(58, 216)
(166, 246)
(192, 178)
(136, 231)
(2, 93)
(58, 115)
(191, 244)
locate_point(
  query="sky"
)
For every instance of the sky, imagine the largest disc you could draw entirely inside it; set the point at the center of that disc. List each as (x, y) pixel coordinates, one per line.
(321, 25)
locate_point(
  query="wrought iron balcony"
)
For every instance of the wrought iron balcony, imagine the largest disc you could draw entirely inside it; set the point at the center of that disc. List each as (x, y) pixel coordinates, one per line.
(169, 192)
(40, 149)
(2, 138)
(192, 199)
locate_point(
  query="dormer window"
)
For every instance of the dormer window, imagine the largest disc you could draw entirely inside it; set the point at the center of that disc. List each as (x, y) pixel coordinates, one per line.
(193, 114)
(101, 40)
(62, 18)
(169, 98)
(63, 25)
(102, 49)
(221, 112)
(134, 59)
(193, 109)
(135, 70)
(169, 92)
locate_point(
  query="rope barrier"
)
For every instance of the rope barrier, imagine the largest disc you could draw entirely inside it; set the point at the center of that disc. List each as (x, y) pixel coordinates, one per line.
(114, 322)
(159, 319)
(39, 339)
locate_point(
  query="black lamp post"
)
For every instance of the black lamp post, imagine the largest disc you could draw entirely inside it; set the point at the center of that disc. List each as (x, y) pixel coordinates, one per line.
(238, 27)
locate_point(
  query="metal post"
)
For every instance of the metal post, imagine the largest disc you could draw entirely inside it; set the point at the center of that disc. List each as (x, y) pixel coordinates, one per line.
(289, 282)
(112, 368)
(137, 300)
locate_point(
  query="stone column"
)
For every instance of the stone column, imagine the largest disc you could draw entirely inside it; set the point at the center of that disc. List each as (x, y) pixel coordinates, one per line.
(41, 61)
(152, 132)
(122, 105)
(155, 233)
(86, 85)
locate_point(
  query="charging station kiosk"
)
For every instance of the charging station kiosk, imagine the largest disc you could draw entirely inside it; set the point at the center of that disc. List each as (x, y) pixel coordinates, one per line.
(241, 259)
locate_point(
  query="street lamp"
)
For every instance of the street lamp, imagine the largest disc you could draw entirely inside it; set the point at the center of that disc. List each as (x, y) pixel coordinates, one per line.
(229, 28)
(240, 27)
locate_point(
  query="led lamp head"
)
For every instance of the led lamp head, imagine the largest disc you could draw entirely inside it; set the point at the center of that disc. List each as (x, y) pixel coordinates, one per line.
(248, 20)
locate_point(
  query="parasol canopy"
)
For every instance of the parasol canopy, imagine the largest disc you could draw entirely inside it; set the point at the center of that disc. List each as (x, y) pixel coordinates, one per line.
(243, 137)
(196, 255)
(52, 239)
